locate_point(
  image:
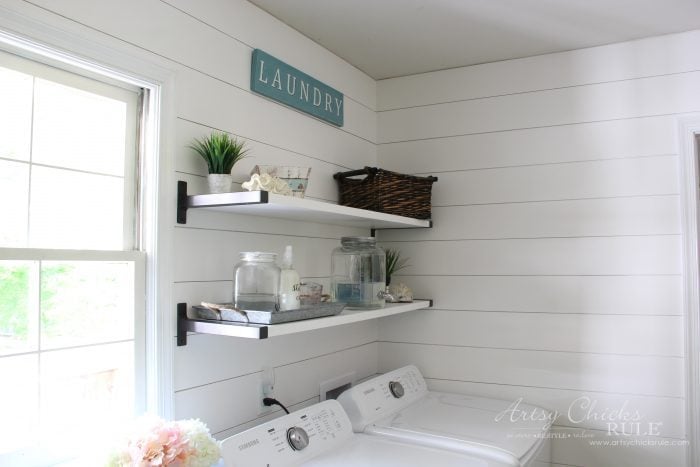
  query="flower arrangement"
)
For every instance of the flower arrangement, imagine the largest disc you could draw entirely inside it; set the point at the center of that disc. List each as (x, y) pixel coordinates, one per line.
(155, 442)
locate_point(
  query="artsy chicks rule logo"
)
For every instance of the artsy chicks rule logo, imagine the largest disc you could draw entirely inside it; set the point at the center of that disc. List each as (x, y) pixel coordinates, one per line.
(584, 411)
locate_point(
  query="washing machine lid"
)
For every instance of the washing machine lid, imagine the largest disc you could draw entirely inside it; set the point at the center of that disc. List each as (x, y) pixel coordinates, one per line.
(483, 426)
(450, 421)
(374, 451)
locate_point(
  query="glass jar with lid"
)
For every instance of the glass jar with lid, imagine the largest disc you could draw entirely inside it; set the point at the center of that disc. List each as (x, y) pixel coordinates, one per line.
(256, 280)
(358, 273)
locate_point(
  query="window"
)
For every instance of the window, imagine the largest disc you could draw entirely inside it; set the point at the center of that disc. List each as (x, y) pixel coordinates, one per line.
(71, 274)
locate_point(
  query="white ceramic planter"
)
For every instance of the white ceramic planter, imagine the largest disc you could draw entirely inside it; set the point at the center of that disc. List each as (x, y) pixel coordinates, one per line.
(219, 183)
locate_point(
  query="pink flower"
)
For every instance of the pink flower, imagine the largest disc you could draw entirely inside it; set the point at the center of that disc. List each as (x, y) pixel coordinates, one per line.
(159, 443)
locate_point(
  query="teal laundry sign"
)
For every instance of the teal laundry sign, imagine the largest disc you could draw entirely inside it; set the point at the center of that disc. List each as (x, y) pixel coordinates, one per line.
(275, 79)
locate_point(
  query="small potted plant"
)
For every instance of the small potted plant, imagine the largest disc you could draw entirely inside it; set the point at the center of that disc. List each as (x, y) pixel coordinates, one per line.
(394, 263)
(396, 292)
(221, 152)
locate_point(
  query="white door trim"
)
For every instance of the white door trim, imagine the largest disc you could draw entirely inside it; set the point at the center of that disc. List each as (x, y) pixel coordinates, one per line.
(689, 130)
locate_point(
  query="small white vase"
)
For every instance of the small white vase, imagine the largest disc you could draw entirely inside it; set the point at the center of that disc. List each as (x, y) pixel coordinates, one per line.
(219, 183)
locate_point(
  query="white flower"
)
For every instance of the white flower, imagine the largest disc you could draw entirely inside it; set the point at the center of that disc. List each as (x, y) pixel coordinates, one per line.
(206, 451)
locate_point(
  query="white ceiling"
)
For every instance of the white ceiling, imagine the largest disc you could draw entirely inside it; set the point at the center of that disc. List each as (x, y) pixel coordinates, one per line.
(389, 38)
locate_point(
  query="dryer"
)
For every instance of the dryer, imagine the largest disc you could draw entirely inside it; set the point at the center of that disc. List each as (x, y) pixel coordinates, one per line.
(398, 406)
(322, 436)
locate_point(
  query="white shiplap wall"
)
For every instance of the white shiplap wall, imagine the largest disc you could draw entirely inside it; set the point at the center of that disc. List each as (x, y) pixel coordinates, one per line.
(555, 260)
(557, 191)
(208, 45)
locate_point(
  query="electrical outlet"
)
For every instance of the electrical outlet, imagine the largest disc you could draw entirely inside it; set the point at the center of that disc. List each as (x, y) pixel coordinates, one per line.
(331, 389)
(267, 387)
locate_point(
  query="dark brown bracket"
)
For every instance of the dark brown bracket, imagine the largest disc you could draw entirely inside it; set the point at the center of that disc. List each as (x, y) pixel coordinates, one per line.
(181, 324)
(181, 202)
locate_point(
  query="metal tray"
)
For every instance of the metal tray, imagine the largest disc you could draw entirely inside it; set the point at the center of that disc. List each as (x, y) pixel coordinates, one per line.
(223, 313)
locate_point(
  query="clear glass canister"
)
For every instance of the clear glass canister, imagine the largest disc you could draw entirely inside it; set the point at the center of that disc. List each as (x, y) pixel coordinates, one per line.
(358, 273)
(256, 280)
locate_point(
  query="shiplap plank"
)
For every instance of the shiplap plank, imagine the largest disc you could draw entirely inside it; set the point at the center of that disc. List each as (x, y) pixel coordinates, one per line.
(649, 451)
(674, 53)
(633, 335)
(640, 375)
(662, 95)
(637, 295)
(653, 215)
(213, 103)
(211, 254)
(569, 143)
(253, 26)
(578, 409)
(545, 256)
(591, 179)
(230, 357)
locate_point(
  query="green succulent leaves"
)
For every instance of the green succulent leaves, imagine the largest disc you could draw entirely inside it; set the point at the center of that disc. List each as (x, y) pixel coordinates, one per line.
(394, 261)
(220, 151)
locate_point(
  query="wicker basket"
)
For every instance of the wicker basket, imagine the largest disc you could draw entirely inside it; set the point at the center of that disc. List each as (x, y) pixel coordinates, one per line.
(387, 192)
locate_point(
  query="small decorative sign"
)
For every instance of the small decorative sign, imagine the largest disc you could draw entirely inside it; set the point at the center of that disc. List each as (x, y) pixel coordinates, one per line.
(277, 80)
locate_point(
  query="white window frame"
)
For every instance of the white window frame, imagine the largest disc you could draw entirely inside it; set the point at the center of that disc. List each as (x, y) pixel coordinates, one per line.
(688, 134)
(109, 88)
(92, 54)
(139, 260)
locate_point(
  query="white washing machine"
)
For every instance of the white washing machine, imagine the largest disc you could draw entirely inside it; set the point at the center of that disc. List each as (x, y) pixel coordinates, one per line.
(399, 406)
(322, 436)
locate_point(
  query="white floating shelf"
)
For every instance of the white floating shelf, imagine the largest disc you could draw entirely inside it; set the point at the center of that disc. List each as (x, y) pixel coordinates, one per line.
(262, 203)
(262, 331)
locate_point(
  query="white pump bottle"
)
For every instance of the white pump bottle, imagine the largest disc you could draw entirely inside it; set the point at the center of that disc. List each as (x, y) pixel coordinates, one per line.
(289, 283)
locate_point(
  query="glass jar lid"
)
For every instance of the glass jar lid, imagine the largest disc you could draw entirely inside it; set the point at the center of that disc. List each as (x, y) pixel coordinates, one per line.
(258, 256)
(358, 241)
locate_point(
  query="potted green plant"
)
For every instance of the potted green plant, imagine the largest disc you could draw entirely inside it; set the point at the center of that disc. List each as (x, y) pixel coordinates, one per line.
(221, 152)
(394, 262)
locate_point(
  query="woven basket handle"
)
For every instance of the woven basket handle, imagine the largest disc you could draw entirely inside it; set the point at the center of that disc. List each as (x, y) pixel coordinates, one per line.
(369, 171)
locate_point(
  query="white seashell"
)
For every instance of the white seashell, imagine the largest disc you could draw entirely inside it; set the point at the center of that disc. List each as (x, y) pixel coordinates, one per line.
(267, 183)
(401, 292)
(253, 184)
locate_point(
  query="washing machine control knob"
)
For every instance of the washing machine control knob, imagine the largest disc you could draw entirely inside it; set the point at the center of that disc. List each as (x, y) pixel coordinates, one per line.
(396, 389)
(297, 438)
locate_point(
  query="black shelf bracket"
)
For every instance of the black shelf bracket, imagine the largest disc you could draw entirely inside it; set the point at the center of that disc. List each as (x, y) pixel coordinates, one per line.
(185, 202)
(181, 202)
(181, 324)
